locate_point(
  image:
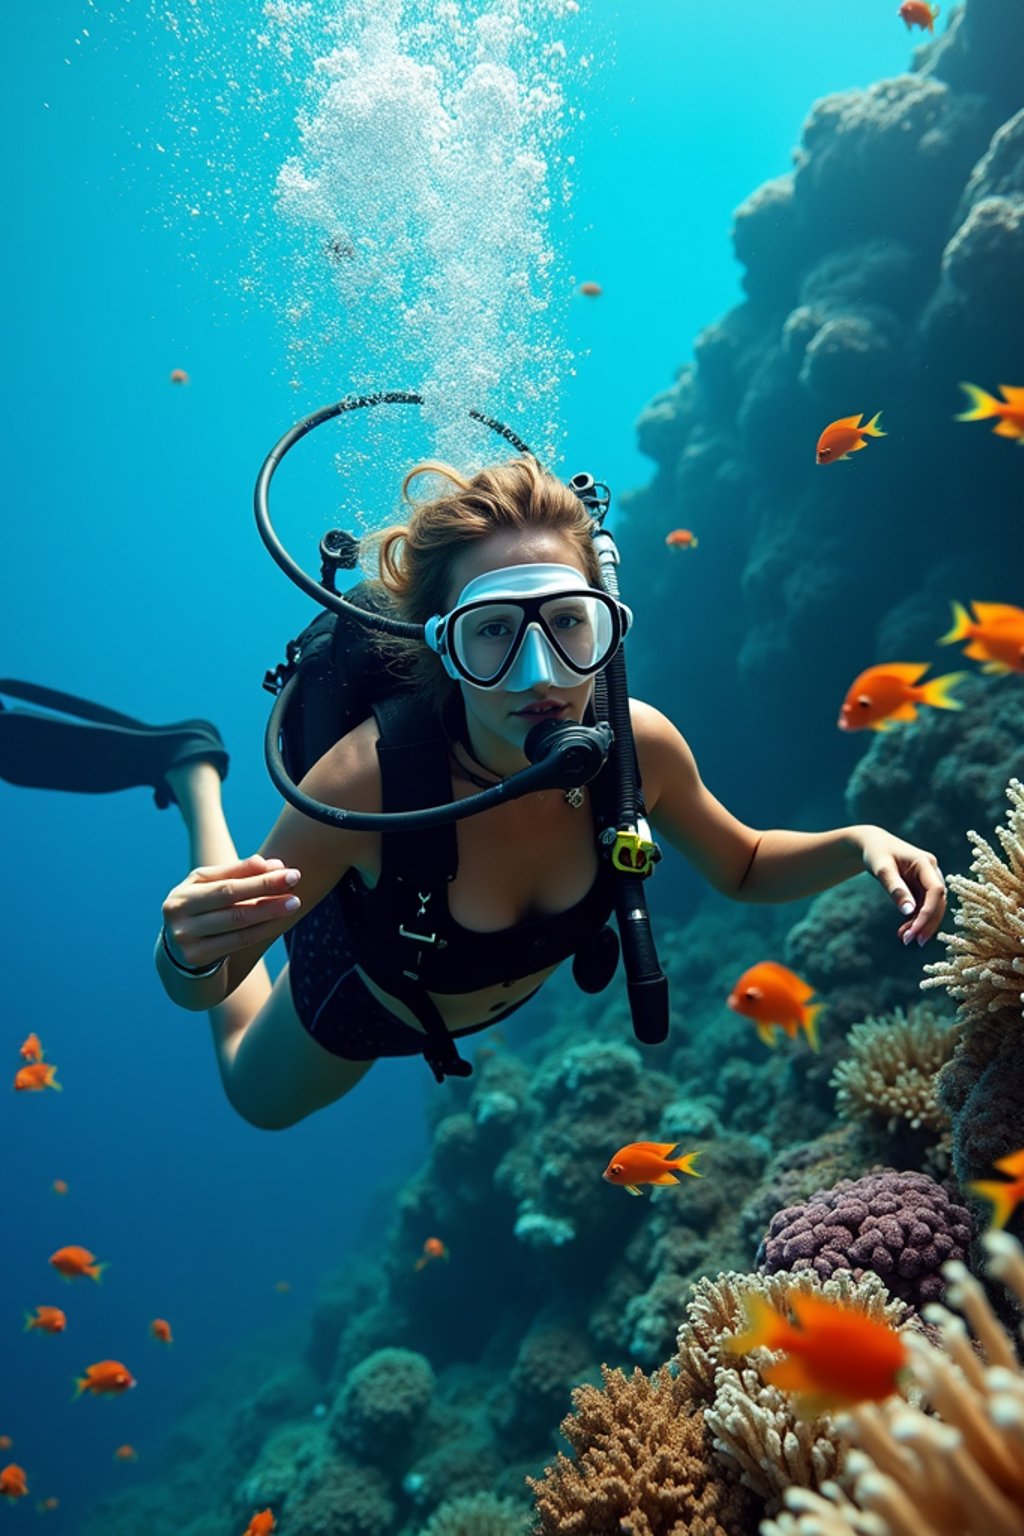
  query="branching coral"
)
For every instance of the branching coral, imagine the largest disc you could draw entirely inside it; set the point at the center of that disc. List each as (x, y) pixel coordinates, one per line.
(889, 1073)
(642, 1466)
(984, 964)
(983, 969)
(757, 1434)
(956, 1471)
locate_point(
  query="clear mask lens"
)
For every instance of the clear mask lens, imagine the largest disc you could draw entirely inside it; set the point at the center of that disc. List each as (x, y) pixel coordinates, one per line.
(578, 628)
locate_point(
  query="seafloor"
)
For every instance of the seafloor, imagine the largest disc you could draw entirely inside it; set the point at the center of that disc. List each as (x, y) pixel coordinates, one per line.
(887, 266)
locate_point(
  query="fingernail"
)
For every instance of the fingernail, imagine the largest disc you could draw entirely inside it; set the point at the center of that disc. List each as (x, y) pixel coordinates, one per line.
(922, 938)
(292, 903)
(907, 908)
(292, 877)
(907, 936)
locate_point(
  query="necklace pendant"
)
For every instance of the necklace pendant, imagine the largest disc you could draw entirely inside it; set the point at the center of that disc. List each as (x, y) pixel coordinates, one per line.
(574, 798)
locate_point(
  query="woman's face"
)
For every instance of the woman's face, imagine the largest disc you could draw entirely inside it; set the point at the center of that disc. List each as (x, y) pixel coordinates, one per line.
(499, 720)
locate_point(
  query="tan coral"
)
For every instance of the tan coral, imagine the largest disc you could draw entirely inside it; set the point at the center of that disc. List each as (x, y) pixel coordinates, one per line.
(983, 967)
(642, 1466)
(889, 1072)
(957, 1470)
(757, 1435)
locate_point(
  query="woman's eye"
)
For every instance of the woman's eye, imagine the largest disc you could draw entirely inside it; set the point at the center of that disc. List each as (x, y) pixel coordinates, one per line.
(496, 630)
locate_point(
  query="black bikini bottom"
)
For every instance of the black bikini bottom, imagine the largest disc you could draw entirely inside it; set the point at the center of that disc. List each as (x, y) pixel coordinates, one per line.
(334, 1004)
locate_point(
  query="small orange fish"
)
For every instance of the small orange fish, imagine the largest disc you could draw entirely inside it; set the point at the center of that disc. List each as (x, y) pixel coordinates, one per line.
(648, 1162)
(160, 1328)
(590, 290)
(5, 1442)
(774, 997)
(74, 1263)
(32, 1049)
(46, 1506)
(59, 1187)
(891, 692)
(34, 1078)
(845, 436)
(433, 1248)
(996, 635)
(836, 1355)
(681, 538)
(126, 1453)
(917, 13)
(1005, 1194)
(179, 376)
(105, 1378)
(261, 1524)
(13, 1482)
(45, 1320)
(282, 1287)
(1010, 409)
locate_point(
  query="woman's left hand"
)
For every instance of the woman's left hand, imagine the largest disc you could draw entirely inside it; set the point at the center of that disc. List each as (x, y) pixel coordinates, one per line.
(911, 876)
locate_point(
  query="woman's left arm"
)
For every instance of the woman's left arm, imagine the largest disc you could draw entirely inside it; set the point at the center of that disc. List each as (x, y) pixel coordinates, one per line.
(775, 865)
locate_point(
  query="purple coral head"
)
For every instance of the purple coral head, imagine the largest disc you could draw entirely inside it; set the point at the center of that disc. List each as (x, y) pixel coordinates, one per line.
(903, 1226)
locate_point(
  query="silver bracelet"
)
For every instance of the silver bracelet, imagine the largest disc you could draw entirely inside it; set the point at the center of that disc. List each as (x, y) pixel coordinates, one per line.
(196, 972)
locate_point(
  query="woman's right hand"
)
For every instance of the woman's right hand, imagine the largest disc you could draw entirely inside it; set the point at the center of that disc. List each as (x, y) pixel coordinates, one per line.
(221, 909)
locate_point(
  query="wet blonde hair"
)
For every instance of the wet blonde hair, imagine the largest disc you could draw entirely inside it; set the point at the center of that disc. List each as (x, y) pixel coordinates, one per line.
(416, 558)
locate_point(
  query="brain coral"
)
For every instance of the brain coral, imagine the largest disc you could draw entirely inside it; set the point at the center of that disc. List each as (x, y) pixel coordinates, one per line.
(641, 1467)
(901, 1225)
(478, 1514)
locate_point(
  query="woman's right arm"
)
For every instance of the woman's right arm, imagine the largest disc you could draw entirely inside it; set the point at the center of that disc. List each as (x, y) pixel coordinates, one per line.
(237, 911)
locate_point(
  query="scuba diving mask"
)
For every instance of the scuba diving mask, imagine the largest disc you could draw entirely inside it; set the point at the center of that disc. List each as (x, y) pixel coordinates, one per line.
(526, 625)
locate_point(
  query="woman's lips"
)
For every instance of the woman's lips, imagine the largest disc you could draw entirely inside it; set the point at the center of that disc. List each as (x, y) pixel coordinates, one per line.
(542, 711)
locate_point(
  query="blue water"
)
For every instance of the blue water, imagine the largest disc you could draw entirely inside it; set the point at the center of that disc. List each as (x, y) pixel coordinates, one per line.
(131, 573)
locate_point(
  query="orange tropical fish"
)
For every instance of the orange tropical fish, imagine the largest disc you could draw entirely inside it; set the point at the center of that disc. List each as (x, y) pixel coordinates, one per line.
(46, 1506)
(36, 1077)
(681, 538)
(5, 1442)
(104, 1379)
(845, 436)
(74, 1262)
(282, 1286)
(1010, 409)
(433, 1248)
(1005, 1194)
(59, 1187)
(835, 1355)
(917, 13)
(648, 1162)
(261, 1524)
(160, 1328)
(13, 1482)
(45, 1320)
(179, 376)
(891, 691)
(32, 1049)
(126, 1453)
(996, 635)
(590, 290)
(775, 997)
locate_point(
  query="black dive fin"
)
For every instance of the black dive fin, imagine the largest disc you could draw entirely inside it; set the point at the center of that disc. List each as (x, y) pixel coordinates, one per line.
(98, 750)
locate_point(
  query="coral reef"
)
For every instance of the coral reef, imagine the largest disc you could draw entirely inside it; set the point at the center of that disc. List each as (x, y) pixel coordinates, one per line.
(903, 1226)
(954, 1470)
(756, 1432)
(983, 970)
(478, 1514)
(889, 1075)
(641, 1466)
(381, 1403)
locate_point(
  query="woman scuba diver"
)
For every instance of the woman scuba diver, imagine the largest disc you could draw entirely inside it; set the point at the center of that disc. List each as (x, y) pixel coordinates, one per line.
(402, 943)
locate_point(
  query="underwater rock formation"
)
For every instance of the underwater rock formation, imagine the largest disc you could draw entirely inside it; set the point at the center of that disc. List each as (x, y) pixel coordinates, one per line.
(983, 970)
(903, 1226)
(953, 1466)
(877, 274)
